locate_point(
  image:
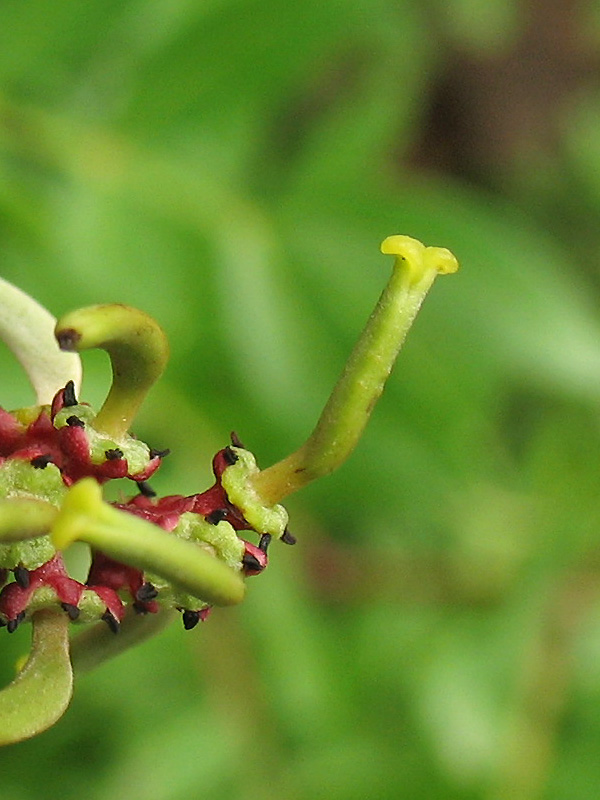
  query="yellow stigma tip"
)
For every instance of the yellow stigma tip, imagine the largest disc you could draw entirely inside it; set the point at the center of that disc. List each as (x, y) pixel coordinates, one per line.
(441, 259)
(417, 258)
(404, 246)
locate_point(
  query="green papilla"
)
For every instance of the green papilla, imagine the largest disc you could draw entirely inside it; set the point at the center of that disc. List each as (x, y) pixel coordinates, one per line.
(240, 492)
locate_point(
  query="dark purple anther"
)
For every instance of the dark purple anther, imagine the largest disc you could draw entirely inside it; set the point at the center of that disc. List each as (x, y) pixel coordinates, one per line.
(13, 624)
(146, 593)
(190, 619)
(229, 455)
(217, 515)
(235, 440)
(22, 576)
(146, 489)
(41, 462)
(251, 562)
(112, 622)
(288, 538)
(159, 453)
(113, 454)
(69, 396)
(71, 610)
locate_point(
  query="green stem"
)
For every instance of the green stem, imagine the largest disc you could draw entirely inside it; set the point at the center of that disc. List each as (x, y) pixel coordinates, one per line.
(23, 518)
(138, 351)
(127, 538)
(95, 645)
(28, 330)
(348, 409)
(41, 692)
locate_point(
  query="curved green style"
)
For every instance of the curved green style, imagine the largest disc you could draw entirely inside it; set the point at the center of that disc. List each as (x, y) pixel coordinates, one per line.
(350, 405)
(138, 351)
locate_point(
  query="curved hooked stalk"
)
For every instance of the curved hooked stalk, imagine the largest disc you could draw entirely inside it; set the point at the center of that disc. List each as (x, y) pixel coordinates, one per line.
(27, 328)
(42, 690)
(138, 351)
(350, 405)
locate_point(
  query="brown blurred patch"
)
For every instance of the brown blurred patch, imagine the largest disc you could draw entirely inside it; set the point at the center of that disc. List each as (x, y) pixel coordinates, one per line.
(487, 108)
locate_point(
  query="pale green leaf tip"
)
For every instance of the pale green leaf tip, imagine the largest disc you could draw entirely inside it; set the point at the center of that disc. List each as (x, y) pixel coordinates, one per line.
(27, 329)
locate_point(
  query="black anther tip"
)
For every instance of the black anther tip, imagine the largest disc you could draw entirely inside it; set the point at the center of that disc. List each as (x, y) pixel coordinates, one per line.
(159, 453)
(265, 541)
(217, 515)
(190, 619)
(235, 440)
(229, 456)
(146, 592)
(69, 396)
(250, 561)
(75, 422)
(288, 538)
(112, 622)
(41, 462)
(114, 454)
(72, 611)
(146, 489)
(13, 624)
(22, 576)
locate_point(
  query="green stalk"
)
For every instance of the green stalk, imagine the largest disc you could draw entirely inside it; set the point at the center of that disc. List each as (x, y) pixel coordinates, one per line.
(138, 351)
(127, 538)
(348, 409)
(24, 518)
(42, 690)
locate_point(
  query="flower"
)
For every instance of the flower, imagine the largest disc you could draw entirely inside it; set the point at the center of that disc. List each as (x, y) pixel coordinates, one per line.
(150, 555)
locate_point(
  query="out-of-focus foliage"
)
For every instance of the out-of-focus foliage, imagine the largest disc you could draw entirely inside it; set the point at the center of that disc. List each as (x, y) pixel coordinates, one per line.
(231, 166)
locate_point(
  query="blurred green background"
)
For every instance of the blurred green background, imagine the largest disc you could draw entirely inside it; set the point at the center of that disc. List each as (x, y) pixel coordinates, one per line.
(231, 167)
